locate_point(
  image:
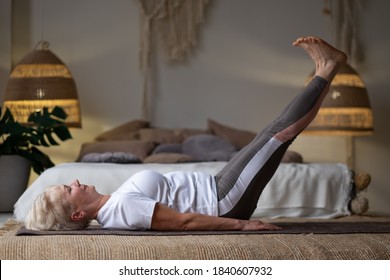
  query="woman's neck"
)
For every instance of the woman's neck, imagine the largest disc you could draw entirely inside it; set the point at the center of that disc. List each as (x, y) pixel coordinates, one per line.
(103, 199)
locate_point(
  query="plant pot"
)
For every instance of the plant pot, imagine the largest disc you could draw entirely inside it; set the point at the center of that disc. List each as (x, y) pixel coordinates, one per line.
(14, 176)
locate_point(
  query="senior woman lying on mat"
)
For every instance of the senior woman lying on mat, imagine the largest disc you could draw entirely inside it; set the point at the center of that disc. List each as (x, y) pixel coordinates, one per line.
(195, 200)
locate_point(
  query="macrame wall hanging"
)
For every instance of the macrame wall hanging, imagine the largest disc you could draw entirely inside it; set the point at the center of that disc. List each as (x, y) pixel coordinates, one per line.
(344, 27)
(172, 25)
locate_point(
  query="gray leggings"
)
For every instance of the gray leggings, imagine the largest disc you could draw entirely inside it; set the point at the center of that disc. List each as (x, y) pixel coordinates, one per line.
(241, 182)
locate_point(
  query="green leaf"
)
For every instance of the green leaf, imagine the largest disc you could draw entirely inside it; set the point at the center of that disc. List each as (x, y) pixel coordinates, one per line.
(41, 161)
(51, 139)
(62, 132)
(23, 140)
(59, 113)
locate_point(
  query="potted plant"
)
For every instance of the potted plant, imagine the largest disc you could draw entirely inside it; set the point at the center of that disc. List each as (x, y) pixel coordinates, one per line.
(19, 149)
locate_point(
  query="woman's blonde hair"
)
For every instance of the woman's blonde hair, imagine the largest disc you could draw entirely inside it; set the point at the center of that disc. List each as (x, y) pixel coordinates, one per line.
(50, 212)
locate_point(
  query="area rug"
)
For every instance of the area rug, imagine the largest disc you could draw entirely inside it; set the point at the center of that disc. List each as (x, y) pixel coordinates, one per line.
(287, 228)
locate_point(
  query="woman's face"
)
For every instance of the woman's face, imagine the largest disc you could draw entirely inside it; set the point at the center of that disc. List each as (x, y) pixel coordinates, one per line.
(78, 195)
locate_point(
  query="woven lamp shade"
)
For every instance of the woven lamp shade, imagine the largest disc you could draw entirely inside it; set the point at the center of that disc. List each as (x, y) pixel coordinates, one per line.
(40, 80)
(346, 109)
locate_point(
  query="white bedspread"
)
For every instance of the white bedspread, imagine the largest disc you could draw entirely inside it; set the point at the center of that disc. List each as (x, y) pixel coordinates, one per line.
(296, 190)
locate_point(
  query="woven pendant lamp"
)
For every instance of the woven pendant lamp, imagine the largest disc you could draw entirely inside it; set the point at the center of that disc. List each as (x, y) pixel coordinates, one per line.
(346, 109)
(40, 80)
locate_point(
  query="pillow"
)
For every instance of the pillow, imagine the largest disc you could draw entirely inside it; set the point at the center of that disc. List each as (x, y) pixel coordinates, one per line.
(239, 138)
(292, 156)
(141, 149)
(188, 132)
(126, 131)
(168, 158)
(208, 147)
(169, 148)
(159, 135)
(116, 157)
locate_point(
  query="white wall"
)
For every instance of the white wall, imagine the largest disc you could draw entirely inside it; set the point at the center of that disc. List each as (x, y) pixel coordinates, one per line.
(242, 73)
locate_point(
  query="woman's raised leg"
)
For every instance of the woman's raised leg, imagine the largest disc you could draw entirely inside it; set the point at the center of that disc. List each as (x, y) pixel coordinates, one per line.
(241, 181)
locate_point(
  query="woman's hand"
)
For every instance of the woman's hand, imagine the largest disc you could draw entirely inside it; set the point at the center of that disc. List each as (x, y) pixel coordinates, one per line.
(258, 225)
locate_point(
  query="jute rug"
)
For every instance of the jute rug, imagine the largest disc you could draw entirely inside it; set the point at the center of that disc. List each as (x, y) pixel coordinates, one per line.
(287, 228)
(266, 245)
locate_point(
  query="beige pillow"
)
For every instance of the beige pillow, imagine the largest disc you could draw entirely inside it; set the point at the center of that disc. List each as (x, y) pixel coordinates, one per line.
(159, 135)
(189, 132)
(238, 137)
(126, 131)
(168, 158)
(139, 148)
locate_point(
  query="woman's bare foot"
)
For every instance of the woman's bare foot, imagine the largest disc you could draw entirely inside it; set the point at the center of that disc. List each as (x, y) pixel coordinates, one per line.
(328, 60)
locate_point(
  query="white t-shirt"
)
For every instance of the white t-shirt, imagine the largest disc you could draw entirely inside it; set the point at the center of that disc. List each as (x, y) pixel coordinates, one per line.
(132, 205)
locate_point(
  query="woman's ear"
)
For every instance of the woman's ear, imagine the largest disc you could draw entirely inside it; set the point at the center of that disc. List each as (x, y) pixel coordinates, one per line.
(77, 215)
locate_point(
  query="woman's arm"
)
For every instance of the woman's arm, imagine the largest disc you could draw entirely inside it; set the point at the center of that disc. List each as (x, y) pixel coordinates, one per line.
(165, 218)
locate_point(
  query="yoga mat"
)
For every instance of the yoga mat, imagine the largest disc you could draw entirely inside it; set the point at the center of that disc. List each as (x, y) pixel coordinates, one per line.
(287, 228)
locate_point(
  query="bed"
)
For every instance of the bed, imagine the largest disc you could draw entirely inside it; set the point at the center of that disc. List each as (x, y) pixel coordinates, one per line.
(299, 193)
(316, 190)
(298, 189)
